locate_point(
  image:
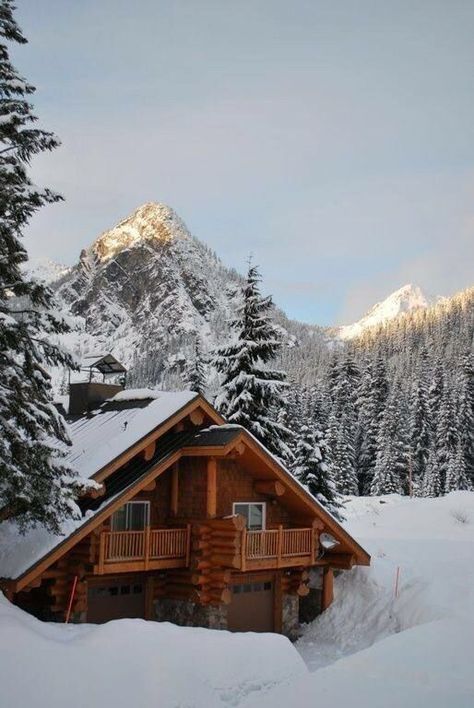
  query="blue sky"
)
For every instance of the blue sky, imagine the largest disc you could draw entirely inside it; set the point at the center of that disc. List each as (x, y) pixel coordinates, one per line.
(334, 140)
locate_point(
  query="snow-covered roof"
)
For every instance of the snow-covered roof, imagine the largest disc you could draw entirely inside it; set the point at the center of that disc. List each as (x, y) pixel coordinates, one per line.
(97, 439)
(102, 436)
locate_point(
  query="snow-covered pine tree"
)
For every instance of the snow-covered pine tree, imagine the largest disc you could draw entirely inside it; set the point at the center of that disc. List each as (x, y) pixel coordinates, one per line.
(431, 486)
(312, 468)
(372, 394)
(252, 393)
(195, 373)
(420, 423)
(446, 438)
(391, 463)
(35, 486)
(456, 476)
(340, 445)
(465, 406)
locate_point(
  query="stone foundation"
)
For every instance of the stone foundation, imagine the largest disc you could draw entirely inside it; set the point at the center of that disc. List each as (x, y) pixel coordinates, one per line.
(290, 621)
(188, 614)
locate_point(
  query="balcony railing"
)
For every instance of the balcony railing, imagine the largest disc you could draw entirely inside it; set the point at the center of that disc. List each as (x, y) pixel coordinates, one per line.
(124, 551)
(277, 548)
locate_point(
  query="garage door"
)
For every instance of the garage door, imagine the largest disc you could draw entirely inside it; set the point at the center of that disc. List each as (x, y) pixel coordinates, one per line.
(115, 600)
(251, 608)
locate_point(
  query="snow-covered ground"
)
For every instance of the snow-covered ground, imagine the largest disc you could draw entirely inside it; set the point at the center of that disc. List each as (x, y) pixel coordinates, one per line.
(374, 648)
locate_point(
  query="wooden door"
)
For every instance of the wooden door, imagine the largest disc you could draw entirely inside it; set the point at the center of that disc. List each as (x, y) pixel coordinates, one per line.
(252, 606)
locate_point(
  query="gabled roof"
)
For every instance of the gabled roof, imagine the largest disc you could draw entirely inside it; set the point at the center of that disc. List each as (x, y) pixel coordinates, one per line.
(105, 434)
(116, 433)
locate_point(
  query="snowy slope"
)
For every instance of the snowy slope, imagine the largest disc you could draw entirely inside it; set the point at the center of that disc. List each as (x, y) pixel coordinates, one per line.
(408, 298)
(374, 648)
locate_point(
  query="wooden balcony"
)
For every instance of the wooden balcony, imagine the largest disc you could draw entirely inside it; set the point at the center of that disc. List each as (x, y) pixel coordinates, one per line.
(150, 549)
(277, 548)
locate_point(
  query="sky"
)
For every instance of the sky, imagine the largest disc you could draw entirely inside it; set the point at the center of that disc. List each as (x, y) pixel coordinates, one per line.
(333, 140)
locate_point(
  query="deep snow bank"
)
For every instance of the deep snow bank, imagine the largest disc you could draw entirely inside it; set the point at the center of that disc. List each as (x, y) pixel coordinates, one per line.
(134, 663)
(412, 649)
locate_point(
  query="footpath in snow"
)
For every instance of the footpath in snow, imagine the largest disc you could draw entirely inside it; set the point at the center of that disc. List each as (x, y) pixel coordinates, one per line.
(371, 649)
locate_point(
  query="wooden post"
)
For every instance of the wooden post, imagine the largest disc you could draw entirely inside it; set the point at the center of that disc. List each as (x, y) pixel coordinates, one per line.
(174, 489)
(211, 487)
(280, 545)
(328, 588)
(243, 551)
(147, 547)
(278, 604)
(313, 545)
(102, 552)
(188, 545)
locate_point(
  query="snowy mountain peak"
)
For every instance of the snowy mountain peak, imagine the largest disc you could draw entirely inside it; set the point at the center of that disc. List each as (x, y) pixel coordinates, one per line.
(151, 221)
(407, 298)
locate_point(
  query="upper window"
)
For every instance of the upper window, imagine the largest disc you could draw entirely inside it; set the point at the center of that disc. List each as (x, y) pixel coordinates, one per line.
(133, 516)
(253, 512)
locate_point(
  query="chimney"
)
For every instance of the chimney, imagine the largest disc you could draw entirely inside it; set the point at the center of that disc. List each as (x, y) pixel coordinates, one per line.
(85, 396)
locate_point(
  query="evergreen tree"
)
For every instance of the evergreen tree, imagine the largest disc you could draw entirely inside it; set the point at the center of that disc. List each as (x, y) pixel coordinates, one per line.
(341, 454)
(35, 486)
(252, 393)
(446, 438)
(195, 373)
(371, 400)
(465, 422)
(312, 468)
(456, 476)
(431, 486)
(420, 423)
(391, 463)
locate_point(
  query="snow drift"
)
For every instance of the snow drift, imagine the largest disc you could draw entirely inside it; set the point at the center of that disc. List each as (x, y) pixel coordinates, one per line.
(135, 663)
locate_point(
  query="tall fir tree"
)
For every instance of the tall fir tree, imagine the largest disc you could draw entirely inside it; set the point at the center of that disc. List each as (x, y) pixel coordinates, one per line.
(421, 424)
(35, 486)
(341, 454)
(456, 474)
(431, 484)
(465, 405)
(391, 463)
(311, 467)
(195, 375)
(252, 393)
(372, 395)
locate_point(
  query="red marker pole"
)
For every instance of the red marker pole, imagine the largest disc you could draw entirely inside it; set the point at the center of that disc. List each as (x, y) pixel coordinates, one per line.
(71, 598)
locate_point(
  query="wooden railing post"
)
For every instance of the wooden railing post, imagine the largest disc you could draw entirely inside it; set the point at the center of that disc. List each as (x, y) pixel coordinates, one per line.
(102, 552)
(313, 545)
(147, 547)
(243, 551)
(280, 545)
(188, 544)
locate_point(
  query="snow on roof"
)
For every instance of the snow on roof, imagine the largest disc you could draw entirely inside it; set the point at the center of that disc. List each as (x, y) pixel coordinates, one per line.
(99, 438)
(136, 394)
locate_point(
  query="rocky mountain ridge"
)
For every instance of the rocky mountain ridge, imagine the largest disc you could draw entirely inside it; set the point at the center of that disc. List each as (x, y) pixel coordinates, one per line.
(146, 290)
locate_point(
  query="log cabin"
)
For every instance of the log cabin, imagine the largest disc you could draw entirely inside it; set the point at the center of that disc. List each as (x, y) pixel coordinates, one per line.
(191, 521)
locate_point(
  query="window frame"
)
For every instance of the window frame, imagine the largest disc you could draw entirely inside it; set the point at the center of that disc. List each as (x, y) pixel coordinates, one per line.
(253, 503)
(127, 506)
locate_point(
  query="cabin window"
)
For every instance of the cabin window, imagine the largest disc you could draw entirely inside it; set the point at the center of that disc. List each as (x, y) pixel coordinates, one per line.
(253, 512)
(133, 516)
